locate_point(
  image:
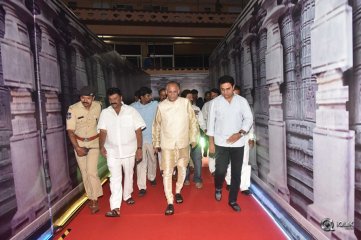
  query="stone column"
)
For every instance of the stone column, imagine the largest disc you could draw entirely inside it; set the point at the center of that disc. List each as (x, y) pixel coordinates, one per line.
(18, 75)
(354, 104)
(8, 201)
(247, 71)
(277, 176)
(333, 141)
(78, 65)
(49, 72)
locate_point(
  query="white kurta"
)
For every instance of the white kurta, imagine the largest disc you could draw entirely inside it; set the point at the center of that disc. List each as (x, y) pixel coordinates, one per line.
(121, 145)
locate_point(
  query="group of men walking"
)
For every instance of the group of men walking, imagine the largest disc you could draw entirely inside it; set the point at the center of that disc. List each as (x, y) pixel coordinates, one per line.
(169, 131)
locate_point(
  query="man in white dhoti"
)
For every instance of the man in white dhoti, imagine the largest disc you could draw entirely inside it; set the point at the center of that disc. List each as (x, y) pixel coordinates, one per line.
(120, 140)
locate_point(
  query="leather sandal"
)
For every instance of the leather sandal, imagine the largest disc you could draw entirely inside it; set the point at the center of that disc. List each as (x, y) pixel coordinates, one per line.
(93, 205)
(113, 213)
(178, 198)
(169, 210)
(130, 201)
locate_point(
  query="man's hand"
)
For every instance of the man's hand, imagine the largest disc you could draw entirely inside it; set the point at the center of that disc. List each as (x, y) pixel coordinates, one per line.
(103, 151)
(193, 144)
(234, 138)
(251, 143)
(157, 150)
(212, 149)
(138, 155)
(81, 151)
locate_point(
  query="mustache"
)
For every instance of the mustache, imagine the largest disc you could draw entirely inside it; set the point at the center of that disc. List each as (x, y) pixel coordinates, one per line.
(113, 103)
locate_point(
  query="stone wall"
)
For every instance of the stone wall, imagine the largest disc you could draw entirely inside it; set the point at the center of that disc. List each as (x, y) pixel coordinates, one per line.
(298, 63)
(46, 56)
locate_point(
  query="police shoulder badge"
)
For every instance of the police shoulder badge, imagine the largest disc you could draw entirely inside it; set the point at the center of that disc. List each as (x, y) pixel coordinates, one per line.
(68, 115)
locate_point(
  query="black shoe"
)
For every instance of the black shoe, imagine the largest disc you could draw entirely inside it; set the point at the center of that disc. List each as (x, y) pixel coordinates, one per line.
(235, 206)
(247, 192)
(178, 198)
(228, 187)
(142, 192)
(218, 195)
(153, 183)
(169, 210)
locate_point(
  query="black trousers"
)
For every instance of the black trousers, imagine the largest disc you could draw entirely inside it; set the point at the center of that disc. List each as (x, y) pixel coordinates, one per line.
(224, 155)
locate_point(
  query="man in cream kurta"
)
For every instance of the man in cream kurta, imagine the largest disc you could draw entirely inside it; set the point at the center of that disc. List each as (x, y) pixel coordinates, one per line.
(174, 129)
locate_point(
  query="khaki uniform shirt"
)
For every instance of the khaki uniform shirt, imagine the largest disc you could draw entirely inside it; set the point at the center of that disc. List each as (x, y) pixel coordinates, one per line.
(84, 122)
(175, 125)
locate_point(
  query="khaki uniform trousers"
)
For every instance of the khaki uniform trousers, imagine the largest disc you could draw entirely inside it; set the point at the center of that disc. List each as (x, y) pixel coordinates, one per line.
(89, 171)
(148, 166)
(170, 159)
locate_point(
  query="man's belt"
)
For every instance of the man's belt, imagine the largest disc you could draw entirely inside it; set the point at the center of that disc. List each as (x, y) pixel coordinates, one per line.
(87, 139)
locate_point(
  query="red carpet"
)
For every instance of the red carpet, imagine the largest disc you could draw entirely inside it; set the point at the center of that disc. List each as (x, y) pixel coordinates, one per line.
(199, 217)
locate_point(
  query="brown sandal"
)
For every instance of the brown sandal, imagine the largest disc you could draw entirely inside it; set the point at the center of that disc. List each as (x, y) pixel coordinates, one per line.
(113, 213)
(130, 201)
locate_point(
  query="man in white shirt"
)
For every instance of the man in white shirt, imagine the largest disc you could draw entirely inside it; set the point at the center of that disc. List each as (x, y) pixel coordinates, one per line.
(229, 119)
(174, 129)
(120, 140)
(246, 168)
(205, 109)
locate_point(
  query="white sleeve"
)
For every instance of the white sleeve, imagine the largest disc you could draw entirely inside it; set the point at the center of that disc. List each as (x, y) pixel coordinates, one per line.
(247, 116)
(201, 122)
(102, 121)
(211, 119)
(138, 120)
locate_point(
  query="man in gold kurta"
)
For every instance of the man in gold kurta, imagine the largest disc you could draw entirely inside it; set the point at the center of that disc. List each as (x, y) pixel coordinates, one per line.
(81, 124)
(174, 129)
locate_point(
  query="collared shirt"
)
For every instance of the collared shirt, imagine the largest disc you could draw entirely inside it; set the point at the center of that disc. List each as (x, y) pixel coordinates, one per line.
(84, 122)
(227, 118)
(175, 124)
(200, 118)
(121, 141)
(205, 110)
(147, 112)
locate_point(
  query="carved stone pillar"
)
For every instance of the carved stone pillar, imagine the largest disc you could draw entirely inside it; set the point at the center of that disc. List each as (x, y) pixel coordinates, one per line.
(18, 74)
(277, 176)
(78, 66)
(57, 158)
(247, 71)
(17, 45)
(25, 156)
(354, 104)
(333, 141)
(8, 201)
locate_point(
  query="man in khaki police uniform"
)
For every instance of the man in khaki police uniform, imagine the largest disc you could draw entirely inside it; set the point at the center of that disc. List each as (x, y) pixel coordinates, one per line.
(81, 124)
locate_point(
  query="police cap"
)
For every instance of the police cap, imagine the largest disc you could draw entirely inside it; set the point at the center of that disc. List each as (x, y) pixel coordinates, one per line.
(87, 91)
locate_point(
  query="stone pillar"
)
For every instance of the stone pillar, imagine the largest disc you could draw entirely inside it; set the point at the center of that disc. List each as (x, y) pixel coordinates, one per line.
(57, 158)
(333, 141)
(8, 201)
(78, 66)
(354, 104)
(25, 156)
(277, 176)
(247, 71)
(232, 64)
(18, 75)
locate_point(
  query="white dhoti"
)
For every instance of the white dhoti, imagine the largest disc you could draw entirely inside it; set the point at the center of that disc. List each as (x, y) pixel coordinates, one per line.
(147, 167)
(115, 166)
